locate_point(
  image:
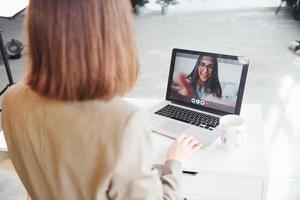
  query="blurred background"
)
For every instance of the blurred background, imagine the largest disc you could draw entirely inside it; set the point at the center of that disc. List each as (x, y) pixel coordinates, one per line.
(238, 27)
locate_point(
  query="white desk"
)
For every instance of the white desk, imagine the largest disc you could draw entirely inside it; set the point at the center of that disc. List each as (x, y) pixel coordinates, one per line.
(222, 175)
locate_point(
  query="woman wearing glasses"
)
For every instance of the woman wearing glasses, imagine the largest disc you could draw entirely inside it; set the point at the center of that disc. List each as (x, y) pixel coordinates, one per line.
(203, 81)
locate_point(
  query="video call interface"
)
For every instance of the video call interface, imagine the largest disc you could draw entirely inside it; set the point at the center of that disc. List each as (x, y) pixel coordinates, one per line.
(206, 80)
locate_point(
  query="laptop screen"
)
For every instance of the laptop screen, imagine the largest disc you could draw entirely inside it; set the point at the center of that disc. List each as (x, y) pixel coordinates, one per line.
(213, 82)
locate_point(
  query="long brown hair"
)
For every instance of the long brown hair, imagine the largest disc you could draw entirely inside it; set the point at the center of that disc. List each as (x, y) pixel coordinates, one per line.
(81, 49)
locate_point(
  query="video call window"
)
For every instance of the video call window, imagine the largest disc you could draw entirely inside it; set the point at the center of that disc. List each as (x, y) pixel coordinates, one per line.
(206, 80)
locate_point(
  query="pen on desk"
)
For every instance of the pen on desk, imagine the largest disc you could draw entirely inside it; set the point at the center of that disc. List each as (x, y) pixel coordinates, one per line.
(189, 172)
(193, 173)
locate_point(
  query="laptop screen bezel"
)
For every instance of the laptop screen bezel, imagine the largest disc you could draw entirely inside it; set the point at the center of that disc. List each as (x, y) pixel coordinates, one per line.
(203, 108)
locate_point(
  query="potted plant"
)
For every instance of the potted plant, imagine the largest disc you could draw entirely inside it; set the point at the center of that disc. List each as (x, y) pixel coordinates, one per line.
(137, 4)
(165, 3)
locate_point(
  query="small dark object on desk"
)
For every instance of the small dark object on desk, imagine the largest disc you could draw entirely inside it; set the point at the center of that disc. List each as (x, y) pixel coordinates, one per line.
(190, 172)
(193, 173)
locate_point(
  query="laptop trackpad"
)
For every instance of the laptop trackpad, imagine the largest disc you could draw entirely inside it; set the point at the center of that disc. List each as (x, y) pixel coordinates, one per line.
(173, 127)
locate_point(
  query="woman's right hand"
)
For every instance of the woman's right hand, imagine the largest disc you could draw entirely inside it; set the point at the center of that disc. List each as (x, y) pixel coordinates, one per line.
(184, 84)
(183, 148)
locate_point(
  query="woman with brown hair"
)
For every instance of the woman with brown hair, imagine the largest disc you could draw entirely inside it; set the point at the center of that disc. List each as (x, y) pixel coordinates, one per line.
(202, 82)
(68, 133)
(204, 79)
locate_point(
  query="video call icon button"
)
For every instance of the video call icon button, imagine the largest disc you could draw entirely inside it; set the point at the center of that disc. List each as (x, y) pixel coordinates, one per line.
(193, 100)
(202, 102)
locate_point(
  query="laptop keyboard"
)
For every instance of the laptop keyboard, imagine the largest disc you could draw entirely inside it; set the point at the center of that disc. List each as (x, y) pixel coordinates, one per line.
(189, 116)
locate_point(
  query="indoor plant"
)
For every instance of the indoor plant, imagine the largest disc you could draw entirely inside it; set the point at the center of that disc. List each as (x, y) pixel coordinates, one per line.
(165, 3)
(137, 4)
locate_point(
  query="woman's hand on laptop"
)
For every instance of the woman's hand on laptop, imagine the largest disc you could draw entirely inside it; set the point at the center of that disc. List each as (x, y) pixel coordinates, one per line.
(183, 148)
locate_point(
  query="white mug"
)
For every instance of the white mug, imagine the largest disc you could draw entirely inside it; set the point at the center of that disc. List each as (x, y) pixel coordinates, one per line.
(232, 129)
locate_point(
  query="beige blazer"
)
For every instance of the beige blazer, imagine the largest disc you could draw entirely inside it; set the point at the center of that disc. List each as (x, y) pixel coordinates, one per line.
(83, 150)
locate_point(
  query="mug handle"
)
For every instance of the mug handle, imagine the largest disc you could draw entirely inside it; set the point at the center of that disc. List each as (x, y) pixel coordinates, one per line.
(222, 129)
(241, 137)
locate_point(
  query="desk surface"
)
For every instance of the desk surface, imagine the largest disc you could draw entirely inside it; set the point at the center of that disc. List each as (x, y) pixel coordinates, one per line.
(9, 8)
(249, 160)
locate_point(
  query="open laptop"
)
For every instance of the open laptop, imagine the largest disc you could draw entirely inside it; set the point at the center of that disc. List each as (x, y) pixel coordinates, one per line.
(202, 87)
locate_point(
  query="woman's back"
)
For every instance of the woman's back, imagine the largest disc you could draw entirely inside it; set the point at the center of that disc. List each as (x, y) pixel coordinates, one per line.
(68, 134)
(66, 150)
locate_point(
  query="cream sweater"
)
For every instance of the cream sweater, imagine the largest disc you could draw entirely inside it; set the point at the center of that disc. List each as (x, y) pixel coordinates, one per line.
(83, 150)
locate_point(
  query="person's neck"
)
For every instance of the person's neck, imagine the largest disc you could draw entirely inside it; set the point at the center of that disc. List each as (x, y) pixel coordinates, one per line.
(201, 83)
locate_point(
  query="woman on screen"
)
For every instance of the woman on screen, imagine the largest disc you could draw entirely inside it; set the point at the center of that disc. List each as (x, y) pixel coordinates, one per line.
(203, 81)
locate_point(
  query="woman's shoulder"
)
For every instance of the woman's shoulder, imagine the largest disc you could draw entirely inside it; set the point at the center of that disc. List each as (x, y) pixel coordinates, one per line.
(129, 111)
(121, 104)
(16, 88)
(21, 94)
(16, 91)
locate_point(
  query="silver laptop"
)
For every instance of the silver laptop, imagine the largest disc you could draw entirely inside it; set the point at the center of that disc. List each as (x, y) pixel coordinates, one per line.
(202, 87)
